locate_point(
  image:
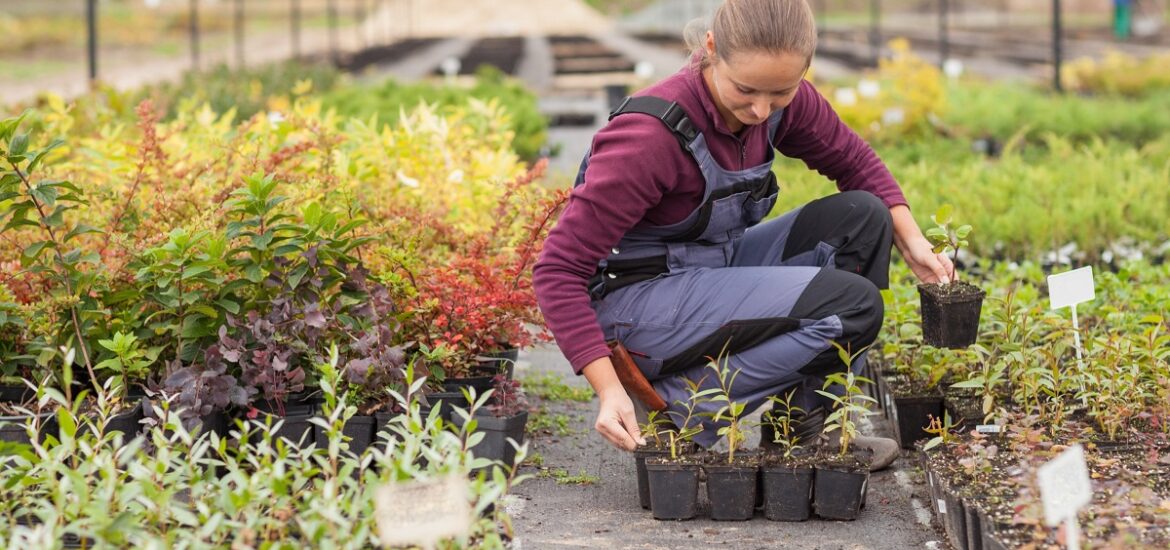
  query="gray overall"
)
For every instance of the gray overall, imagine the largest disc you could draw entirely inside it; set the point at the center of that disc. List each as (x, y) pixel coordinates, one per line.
(769, 296)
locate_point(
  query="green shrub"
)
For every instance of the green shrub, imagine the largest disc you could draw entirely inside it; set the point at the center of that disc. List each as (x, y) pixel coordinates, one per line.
(389, 99)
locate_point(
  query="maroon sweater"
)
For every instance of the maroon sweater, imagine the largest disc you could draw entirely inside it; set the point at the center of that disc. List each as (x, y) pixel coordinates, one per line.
(638, 172)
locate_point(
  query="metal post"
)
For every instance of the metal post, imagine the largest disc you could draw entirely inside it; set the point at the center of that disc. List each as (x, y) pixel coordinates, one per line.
(91, 43)
(295, 16)
(1057, 38)
(194, 31)
(331, 16)
(944, 43)
(875, 31)
(239, 27)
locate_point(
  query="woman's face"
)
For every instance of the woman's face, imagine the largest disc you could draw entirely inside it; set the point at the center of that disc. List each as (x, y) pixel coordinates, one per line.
(749, 86)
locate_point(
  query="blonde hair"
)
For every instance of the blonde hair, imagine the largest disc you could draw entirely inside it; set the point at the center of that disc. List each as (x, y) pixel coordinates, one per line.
(773, 26)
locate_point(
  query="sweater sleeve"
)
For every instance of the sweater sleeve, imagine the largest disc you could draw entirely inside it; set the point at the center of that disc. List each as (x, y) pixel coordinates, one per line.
(620, 187)
(812, 132)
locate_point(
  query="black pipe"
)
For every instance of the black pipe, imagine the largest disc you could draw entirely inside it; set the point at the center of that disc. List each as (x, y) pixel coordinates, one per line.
(358, 15)
(331, 16)
(91, 40)
(239, 25)
(194, 28)
(1057, 39)
(944, 43)
(875, 32)
(294, 9)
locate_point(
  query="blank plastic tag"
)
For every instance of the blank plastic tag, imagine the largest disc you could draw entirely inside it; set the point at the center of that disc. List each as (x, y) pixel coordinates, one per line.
(942, 506)
(1064, 485)
(1071, 287)
(422, 513)
(988, 428)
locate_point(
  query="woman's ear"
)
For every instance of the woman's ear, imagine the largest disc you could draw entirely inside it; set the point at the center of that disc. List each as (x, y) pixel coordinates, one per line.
(709, 45)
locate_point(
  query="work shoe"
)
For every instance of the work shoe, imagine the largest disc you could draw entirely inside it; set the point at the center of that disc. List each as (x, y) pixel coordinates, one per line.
(883, 450)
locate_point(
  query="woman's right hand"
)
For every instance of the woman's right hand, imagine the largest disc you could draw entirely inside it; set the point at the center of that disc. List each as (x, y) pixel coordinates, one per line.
(616, 421)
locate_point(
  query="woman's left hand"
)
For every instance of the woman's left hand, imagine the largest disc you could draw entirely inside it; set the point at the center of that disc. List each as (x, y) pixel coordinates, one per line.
(928, 266)
(917, 251)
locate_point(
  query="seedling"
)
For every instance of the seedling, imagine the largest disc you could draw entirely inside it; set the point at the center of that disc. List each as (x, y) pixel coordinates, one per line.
(945, 238)
(851, 404)
(686, 431)
(657, 426)
(781, 420)
(943, 430)
(731, 411)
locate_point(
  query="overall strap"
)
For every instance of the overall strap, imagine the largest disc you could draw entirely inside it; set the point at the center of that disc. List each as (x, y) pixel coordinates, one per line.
(669, 112)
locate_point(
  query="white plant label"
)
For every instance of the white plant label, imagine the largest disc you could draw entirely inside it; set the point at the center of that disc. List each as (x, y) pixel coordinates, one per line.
(942, 506)
(422, 513)
(1071, 287)
(988, 428)
(1064, 485)
(1067, 290)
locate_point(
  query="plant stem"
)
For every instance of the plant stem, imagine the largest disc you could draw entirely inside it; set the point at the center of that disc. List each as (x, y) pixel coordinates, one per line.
(68, 281)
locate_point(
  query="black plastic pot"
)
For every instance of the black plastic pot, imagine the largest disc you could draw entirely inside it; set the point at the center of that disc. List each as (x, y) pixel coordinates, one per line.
(16, 393)
(731, 490)
(481, 384)
(950, 320)
(640, 456)
(912, 414)
(974, 525)
(359, 429)
(839, 493)
(12, 428)
(787, 492)
(956, 519)
(990, 538)
(674, 489)
(497, 430)
(965, 408)
(503, 361)
(382, 424)
(296, 430)
(446, 402)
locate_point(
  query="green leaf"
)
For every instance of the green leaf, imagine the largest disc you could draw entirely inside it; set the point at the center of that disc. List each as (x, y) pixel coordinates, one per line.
(205, 310)
(254, 273)
(228, 306)
(45, 194)
(80, 229)
(976, 382)
(942, 216)
(66, 422)
(40, 156)
(18, 145)
(33, 251)
(194, 271)
(963, 231)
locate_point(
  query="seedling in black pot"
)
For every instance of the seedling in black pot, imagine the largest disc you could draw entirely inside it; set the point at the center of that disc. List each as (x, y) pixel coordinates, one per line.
(950, 311)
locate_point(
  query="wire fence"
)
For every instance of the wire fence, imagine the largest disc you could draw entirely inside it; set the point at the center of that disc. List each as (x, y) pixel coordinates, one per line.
(43, 38)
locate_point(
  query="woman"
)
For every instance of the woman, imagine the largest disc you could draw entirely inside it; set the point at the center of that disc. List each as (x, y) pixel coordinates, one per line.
(660, 246)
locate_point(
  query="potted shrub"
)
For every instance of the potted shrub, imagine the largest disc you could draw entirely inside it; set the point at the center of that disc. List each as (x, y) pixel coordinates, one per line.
(787, 475)
(35, 219)
(674, 480)
(842, 477)
(502, 421)
(950, 311)
(731, 480)
(656, 430)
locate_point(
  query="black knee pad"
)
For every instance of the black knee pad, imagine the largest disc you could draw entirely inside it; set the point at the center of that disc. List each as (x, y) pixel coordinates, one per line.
(855, 300)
